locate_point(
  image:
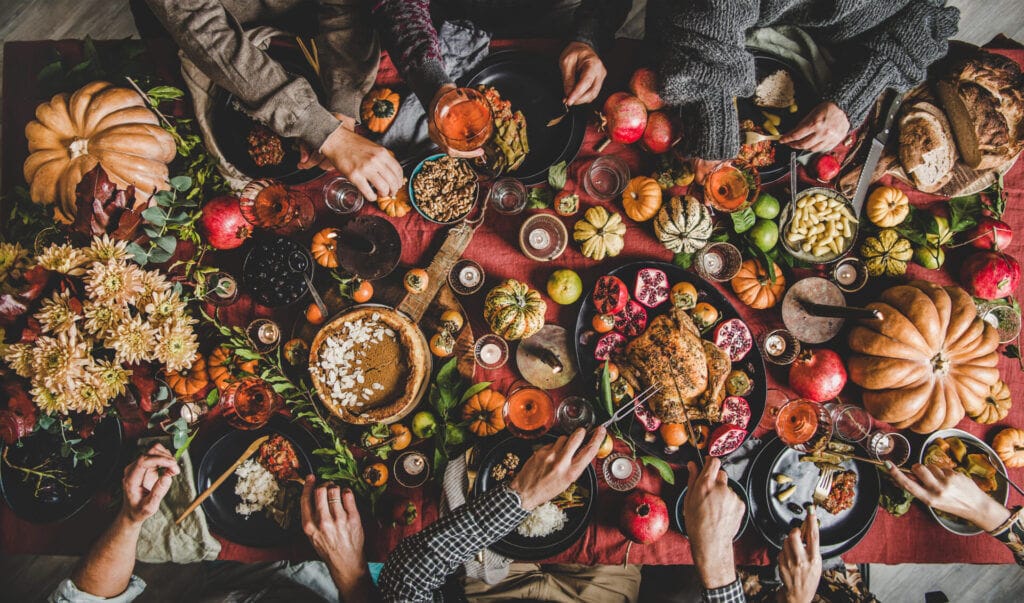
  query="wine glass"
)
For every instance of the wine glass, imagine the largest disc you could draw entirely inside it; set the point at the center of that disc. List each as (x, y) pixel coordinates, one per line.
(732, 186)
(463, 119)
(529, 412)
(248, 403)
(804, 426)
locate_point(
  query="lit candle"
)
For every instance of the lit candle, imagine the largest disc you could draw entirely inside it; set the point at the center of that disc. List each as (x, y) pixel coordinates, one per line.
(775, 345)
(469, 276)
(846, 274)
(414, 463)
(539, 238)
(621, 468)
(490, 353)
(268, 333)
(713, 262)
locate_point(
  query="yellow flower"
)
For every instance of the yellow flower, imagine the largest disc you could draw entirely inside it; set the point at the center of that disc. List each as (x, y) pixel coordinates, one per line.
(103, 249)
(19, 357)
(13, 261)
(152, 282)
(56, 315)
(132, 340)
(86, 398)
(100, 318)
(59, 362)
(111, 379)
(163, 307)
(48, 401)
(177, 346)
(113, 281)
(64, 259)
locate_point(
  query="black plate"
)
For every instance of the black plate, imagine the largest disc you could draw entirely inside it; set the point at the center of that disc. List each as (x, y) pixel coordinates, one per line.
(839, 533)
(257, 530)
(269, 276)
(230, 125)
(522, 548)
(806, 99)
(533, 84)
(753, 363)
(19, 495)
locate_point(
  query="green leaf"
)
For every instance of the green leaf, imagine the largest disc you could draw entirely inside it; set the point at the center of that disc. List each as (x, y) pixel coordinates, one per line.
(448, 377)
(158, 255)
(683, 260)
(606, 389)
(181, 183)
(454, 435)
(539, 197)
(663, 468)
(166, 242)
(557, 174)
(473, 390)
(743, 220)
(964, 212)
(246, 354)
(155, 215)
(159, 94)
(140, 255)
(212, 398)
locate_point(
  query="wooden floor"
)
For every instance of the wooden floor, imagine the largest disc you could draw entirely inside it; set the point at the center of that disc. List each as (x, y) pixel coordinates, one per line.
(980, 21)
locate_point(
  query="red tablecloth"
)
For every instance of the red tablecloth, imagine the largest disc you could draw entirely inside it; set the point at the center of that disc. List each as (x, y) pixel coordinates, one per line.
(912, 538)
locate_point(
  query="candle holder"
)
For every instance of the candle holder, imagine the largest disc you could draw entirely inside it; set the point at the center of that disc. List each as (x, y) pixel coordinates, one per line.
(718, 262)
(411, 469)
(263, 334)
(466, 277)
(779, 347)
(490, 351)
(849, 274)
(621, 471)
(220, 289)
(543, 237)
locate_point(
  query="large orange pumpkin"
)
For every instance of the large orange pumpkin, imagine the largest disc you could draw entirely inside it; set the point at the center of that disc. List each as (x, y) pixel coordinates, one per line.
(1009, 445)
(483, 412)
(191, 381)
(997, 404)
(642, 198)
(928, 361)
(98, 124)
(754, 287)
(325, 247)
(222, 373)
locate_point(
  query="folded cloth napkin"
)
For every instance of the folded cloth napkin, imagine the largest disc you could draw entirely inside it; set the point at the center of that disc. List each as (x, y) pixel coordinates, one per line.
(487, 565)
(463, 46)
(796, 47)
(161, 541)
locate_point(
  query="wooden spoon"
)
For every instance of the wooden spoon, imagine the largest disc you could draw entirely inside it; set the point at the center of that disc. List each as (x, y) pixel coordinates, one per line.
(223, 476)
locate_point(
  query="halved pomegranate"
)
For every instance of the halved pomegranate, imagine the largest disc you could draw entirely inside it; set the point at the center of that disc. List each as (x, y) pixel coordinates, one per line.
(734, 337)
(610, 295)
(736, 411)
(643, 414)
(652, 287)
(725, 439)
(632, 320)
(610, 344)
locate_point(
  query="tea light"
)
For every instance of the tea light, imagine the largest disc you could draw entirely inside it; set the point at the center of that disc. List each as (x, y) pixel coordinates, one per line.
(411, 469)
(780, 347)
(621, 468)
(543, 237)
(621, 472)
(470, 276)
(263, 334)
(850, 275)
(268, 333)
(712, 262)
(774, 345)
(539, 239)
(466, 277)
(846, 274)
(414, 464)
(490, 351)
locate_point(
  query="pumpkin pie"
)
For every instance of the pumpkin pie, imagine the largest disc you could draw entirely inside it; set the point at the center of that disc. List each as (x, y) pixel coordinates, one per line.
(369, 365)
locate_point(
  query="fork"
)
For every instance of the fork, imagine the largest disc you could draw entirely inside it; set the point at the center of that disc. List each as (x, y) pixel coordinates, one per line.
(751, 137)
(824, 485)
(626, 409)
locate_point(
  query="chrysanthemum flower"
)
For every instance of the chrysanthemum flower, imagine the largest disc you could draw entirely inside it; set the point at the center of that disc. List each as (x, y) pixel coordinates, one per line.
(13, 261)
(163, 307)
(111, 379)
(132, 340)
(113, 281)
(100, 318)
(177, 346)
(64, 259)
(151, 282)
(104, 248)
(57, 314)
(59, 361)
(19, 357)
(50, 402)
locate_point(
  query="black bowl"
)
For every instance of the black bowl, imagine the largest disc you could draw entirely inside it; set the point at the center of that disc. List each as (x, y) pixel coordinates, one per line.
(677, 516)
(272, 271)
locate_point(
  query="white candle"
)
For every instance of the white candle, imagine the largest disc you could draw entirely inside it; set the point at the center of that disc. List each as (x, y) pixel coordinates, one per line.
(775, 345)
(490, 353)
(539, 238)
(268, 333)
(413, 464)
(621, 468)
(469, 276)
(846, 274)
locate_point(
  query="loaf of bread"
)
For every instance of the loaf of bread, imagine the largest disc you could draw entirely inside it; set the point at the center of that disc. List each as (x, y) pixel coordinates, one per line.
(983, 96)
(927, 151)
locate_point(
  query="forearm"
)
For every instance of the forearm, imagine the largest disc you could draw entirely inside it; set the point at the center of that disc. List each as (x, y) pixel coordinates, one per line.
(422, 562)
(409, 36)
(1011, 533)
(354, 584)
(214, 40)
(596, 21)
(107, 569)
(349, 53)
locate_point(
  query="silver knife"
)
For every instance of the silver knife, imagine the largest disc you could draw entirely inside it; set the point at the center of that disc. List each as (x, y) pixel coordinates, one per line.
(875, 153)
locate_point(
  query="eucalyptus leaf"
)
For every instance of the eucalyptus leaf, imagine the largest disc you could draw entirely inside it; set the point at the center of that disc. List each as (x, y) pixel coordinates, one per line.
(158, 255)
(181, 183)
(140, 255)
(155, 216)
(166, 242)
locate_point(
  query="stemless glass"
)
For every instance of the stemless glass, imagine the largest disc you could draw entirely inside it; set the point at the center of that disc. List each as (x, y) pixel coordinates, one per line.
(575, 412)
(529, 412)
(732, 186)
(804, 426)
(851, 423)
(606, 177)
(342, 197)
(463, 119)
(889, 446)
(507, 196)
(718, 262)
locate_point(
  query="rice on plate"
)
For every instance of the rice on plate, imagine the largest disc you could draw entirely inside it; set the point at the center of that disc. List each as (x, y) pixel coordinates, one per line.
(543, 521)
(256, 487)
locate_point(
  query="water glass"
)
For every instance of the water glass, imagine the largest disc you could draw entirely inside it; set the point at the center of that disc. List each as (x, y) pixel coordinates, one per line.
(342, 197)
(718, 262)
(606, 178)
(507, 196)
(851, 423)
(889, 446)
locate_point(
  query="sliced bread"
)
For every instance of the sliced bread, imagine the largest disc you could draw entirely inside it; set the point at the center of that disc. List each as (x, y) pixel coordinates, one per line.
(927, 151)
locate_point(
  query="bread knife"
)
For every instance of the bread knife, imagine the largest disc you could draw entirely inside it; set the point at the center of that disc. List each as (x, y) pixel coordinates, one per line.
(875, 154)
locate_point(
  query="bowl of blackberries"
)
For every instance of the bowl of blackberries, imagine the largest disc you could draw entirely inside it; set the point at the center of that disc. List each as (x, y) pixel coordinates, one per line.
(275, 271)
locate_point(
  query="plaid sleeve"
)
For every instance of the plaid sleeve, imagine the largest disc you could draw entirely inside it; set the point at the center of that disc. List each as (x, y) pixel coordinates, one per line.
(730, 593)
(1011, 533)
(421, 563)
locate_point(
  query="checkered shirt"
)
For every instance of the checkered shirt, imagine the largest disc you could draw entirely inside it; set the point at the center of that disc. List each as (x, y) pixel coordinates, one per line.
(422, 562)
(730, 593)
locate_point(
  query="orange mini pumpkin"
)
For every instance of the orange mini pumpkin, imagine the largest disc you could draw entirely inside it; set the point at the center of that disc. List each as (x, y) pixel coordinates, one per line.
(218, 367)
(191, 381)
(642, 199)
(396, 206)
(997, 404)
(378, 109)
(325, 247)
(755, 288)
(483, 412)
(1009, 445)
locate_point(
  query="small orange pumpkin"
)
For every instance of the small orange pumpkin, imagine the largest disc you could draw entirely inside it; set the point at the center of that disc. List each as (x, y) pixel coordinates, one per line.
(755, 288)
(191, 381)
(1009, 445)
(997, 404)
(483, 412)
(397, 206)
(378, 109)
(218, 367)
(642, 199)
(325, 247)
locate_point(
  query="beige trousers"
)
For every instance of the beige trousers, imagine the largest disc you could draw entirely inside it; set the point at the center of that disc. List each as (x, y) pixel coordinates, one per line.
(561, 584)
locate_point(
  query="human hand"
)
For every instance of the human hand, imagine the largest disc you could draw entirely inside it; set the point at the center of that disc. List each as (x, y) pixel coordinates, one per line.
(553, 467)
(713, 514)
(952, 492)
(820, 130)
(331, 521)
(369, 166)
(800, 562)
(145, 485)
(583, 73)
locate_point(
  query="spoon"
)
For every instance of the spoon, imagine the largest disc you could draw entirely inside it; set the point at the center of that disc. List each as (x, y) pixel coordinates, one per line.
(316, 296)
(554, 121)
(751, 137)
(223, 476)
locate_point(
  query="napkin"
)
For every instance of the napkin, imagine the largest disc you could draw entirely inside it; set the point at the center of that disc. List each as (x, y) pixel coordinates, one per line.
(161, 541)
(486, 565)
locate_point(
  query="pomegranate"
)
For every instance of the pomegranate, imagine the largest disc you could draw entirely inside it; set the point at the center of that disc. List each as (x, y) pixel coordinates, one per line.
(725, 439)
(13, 427)
(610, 344)
(734, 337)
(817, 375)
(660, 133)
(223, 224)
(610, 295)
(644, 85)
(643, 414)
(990, 233)
(736, 411)
(644, 517)
(826, 167)
(652, 288)
(632, 320)
(626, 117)
(990, 275)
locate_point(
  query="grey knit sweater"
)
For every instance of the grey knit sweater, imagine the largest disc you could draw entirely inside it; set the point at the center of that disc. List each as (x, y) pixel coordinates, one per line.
(699, 52)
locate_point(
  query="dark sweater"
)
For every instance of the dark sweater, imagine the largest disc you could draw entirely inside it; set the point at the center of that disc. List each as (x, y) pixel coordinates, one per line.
(703, 64)
(408, 33)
